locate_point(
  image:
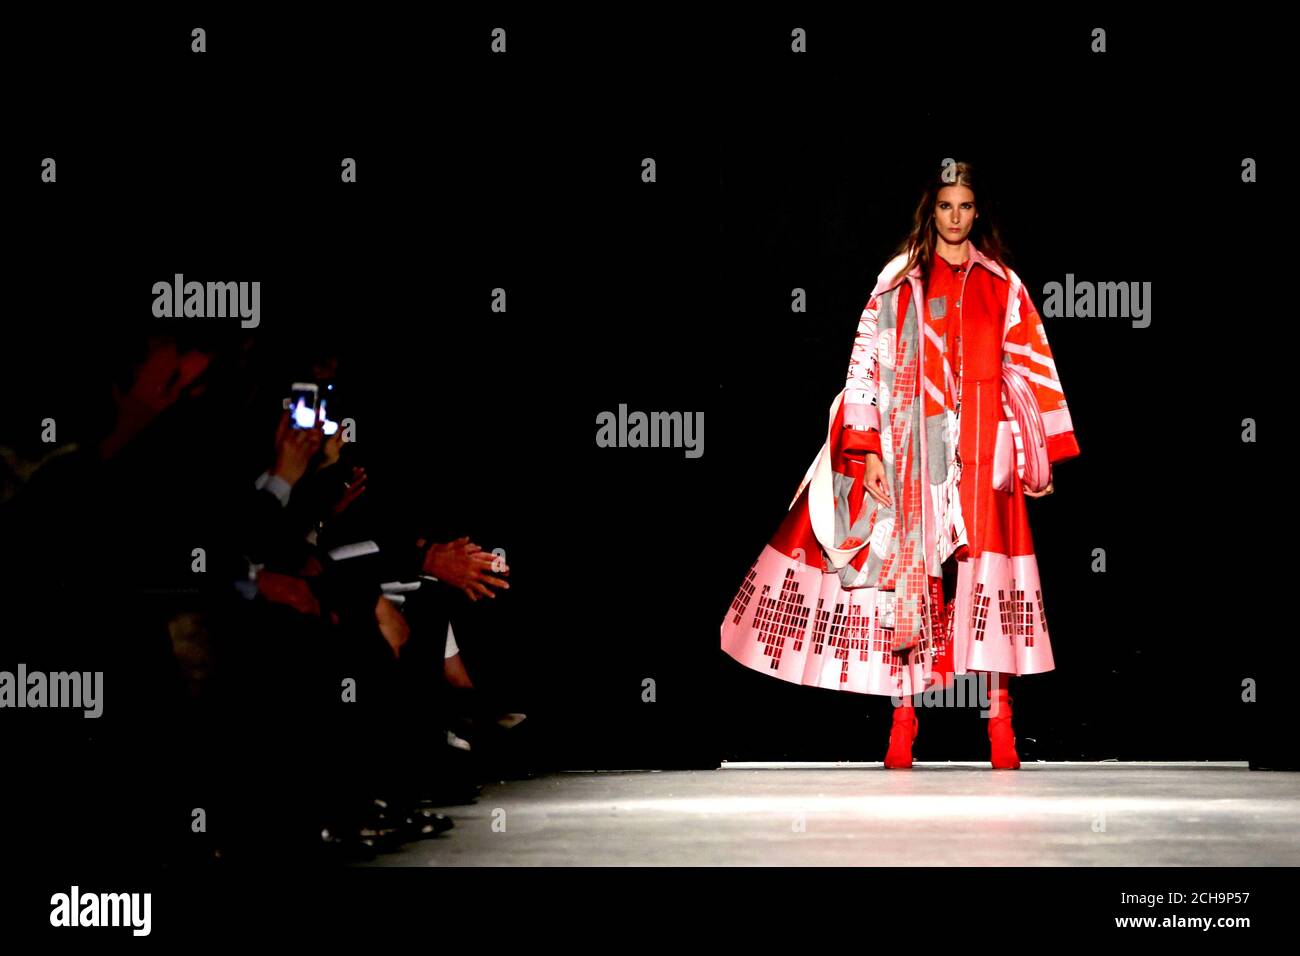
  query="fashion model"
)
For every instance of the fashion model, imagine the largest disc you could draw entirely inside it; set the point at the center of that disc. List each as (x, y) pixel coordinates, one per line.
(906, 558)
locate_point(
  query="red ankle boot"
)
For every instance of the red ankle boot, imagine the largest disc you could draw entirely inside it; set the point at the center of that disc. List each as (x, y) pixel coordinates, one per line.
(901, 735)
(1002, 737)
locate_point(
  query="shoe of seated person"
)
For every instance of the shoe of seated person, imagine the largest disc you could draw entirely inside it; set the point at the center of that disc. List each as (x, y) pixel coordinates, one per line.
(341, 847)
(423, 823)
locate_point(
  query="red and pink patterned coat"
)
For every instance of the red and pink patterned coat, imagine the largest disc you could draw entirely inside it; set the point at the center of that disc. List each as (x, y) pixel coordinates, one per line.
(821, 608)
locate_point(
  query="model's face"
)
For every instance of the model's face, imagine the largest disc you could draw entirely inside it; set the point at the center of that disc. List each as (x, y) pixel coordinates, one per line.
(954, 213)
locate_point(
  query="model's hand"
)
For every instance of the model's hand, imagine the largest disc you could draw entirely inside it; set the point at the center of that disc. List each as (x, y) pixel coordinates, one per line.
(1039, 494)
(873, 480)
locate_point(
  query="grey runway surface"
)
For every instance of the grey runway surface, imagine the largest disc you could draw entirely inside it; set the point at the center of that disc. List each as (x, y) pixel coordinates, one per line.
(936, 814)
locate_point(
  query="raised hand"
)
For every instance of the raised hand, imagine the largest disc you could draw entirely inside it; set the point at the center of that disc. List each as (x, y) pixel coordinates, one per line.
(465, 565)
(352, 490)
(294, 448)
(160, 381)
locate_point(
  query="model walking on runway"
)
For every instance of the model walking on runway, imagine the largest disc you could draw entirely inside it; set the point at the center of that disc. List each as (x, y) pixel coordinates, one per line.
(906, 559)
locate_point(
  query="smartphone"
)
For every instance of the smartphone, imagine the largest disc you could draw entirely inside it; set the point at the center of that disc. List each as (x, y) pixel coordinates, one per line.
(328, 425)
(302, 404)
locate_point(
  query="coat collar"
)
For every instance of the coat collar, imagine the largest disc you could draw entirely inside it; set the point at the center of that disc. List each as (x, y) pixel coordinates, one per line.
(891, 275)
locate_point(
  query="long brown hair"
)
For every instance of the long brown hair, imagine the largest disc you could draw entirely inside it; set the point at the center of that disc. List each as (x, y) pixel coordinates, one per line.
(920, 243)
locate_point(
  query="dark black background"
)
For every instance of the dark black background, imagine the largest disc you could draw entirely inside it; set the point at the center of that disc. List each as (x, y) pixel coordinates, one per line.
(774, 171)
(1116, 167)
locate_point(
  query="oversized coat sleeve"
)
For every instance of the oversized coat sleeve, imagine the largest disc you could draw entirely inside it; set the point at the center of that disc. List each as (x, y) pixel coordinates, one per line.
(861, 399)
(1026, 347)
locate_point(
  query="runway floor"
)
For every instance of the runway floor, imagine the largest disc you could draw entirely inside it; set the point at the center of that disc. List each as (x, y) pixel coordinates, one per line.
(950, 814)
